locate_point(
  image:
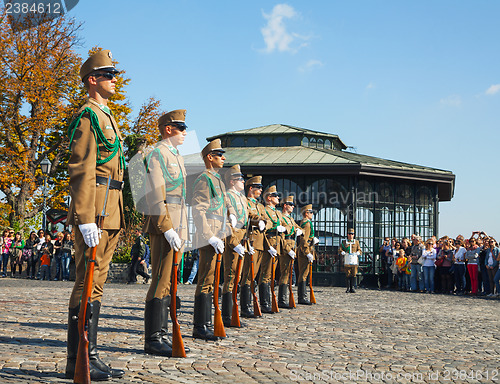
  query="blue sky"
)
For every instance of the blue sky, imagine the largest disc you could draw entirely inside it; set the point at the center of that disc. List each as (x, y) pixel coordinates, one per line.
(417, 82)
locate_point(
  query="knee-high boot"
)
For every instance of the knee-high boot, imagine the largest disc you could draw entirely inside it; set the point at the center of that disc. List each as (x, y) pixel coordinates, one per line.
(246, 302)
(283, 296)
(227, 307)
(202, 317)
(153, 341)
(301, 290)
(265, 298)
(72, 347)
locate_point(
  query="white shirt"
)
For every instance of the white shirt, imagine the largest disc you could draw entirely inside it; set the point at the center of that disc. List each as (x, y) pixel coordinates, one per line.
(429, 257)
(460, 255)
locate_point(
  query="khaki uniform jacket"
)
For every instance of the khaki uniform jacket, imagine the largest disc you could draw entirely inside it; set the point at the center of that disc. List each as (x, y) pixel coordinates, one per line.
(87, 198)
(238, 203)
(256, 212)
(209, 222)
(353, 247)
(274, 218)
(291, 226)
(170, 213)
(304, 245)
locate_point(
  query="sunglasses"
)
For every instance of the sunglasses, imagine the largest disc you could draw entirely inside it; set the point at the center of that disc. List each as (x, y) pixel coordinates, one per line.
(290, 204)
(256, 186)
(106, 75)
(180, 126)
(239, 179)
(274, 195)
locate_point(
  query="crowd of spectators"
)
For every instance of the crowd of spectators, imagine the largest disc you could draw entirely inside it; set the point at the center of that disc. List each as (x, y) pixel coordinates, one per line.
(39, 252)
(450, 266)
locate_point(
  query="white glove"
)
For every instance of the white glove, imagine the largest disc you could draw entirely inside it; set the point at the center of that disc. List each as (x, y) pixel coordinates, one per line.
(217, 244)
(91, 234)
(232, 220)
(342, 253)
(240, 250)
(280, 229)
(173, 239)
(251, 250)
(315, 241)
(358, 253)
(291, 254)
(262, 225)
(272, 251)
(299, 232)
(310, 257)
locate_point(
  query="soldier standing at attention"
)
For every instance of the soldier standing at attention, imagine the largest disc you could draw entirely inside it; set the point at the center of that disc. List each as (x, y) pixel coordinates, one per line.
(305, 253)
(351, 250)
(256, 239)
(274, 235)
(166, 225)
(210, 212)
(96, 154)
(287, 255)
(235, 249)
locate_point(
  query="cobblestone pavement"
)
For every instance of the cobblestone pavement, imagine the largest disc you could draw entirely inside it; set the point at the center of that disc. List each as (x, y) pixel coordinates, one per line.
(370, 336)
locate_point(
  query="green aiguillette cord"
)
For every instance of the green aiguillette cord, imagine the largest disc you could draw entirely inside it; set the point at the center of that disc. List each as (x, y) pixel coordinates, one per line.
(171, 183)
(216, 201)
(312, 228)
(99, 137)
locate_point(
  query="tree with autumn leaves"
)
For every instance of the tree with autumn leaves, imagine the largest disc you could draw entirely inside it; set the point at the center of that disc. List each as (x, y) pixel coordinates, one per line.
(40, 92)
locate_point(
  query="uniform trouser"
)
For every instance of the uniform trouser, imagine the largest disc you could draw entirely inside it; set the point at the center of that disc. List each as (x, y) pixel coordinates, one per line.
(246, 276)
(303, 262)
(285, 263)
(267, 262)
(351, 270)
(162, 256)
(206, 270)
(105, 250)
(230, 260)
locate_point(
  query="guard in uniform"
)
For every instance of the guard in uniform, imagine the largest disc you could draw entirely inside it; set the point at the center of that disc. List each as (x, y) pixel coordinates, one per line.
(287, 254)
(235, 248)
(166, 224)
(210, 214)
(273, 245)
(305, 253)
(257, 226)
(96, 154)
(350, 247)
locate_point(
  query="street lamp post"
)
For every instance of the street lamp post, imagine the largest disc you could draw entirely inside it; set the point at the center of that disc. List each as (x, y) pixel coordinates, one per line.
(45, 165)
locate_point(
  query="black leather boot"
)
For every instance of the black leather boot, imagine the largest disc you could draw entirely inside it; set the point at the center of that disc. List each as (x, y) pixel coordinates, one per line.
(352, 285)
(153, 341)
(347, 284)
(93, 354)
(73, 341)
(246, 302)
(227, 308)
(283, 297)
(302, 293)
(202, 317)
(265, 298)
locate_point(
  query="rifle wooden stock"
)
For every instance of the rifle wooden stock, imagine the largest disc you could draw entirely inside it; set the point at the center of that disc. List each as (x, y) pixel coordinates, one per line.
(218, 324)
(291, 299)
(274, 301)
(312, 299)
(177, 343)
(256, 306)
(82, 366)
(235, 315)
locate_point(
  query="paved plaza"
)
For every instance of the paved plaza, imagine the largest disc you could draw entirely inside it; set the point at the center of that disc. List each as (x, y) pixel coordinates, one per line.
(370, 336)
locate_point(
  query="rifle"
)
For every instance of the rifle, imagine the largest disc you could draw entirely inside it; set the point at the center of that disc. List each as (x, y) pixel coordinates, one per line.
(218, 324)
(235, 315)
(274, 301)
(82, 366)
(291, 299)
(312, 299)
(256, 308)
(177, 343)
